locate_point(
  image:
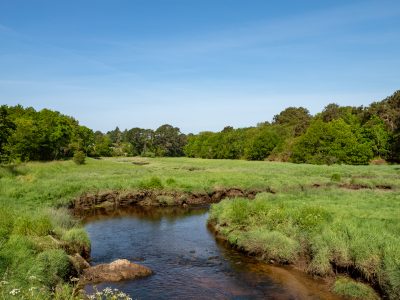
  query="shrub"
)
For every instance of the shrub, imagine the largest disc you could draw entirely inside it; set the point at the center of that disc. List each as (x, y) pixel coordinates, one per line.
(336, 177)
(53, 266)
(79, 157)
(152, 183)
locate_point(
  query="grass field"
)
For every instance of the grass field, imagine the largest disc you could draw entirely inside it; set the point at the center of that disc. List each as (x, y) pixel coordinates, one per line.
(337, 218)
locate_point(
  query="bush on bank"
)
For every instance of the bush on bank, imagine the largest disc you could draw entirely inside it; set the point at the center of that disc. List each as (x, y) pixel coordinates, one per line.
(34, 252)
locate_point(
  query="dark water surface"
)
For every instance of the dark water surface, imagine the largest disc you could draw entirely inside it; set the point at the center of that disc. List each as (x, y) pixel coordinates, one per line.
(187, 261)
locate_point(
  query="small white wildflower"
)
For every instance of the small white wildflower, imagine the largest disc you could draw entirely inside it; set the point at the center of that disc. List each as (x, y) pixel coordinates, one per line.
(99, 293)
(14, 292)
(107, 291)
(3, 282)
(32, 277)
(31, 289)
(92, 297)
(121, 295)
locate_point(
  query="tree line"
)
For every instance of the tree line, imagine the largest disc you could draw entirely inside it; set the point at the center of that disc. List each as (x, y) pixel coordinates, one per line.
(338, 134)
(27, 134)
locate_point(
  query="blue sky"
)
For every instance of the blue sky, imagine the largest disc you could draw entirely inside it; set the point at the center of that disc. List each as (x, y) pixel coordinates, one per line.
(195, 64)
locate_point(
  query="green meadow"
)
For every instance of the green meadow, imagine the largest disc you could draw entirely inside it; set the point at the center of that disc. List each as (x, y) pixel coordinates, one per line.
(335, 221)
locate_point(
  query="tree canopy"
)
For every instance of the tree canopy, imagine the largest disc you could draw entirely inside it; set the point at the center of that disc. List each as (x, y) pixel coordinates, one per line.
(338, 134)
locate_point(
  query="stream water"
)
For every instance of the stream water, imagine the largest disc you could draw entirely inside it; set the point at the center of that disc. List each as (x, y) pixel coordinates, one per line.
(188, 262)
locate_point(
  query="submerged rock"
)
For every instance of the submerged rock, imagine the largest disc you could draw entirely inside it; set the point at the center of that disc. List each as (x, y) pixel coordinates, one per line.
(120, 269)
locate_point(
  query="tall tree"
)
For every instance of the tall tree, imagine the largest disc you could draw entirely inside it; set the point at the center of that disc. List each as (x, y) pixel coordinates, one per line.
(328, 143)
(6, 128)
(169, 141)
(296, 117)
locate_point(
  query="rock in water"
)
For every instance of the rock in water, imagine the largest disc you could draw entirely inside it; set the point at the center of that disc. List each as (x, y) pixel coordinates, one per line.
(120, 269)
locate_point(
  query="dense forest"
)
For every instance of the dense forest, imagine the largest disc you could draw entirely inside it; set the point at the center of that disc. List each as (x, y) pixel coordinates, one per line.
(338, 134)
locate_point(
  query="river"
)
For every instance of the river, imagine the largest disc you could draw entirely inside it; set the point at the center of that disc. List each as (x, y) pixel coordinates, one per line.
(188, 262)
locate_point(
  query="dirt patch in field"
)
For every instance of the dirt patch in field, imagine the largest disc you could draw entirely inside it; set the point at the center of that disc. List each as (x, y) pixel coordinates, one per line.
(364, 186)
(158, 198)
(140, 163)
(355, 186)
(383, 187)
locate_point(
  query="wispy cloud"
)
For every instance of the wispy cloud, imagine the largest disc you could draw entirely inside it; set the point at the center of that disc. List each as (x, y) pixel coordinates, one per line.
(262, 33)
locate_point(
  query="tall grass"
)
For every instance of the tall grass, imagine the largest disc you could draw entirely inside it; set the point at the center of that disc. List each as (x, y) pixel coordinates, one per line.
(338, 226)
(33, 257)
(335, 231)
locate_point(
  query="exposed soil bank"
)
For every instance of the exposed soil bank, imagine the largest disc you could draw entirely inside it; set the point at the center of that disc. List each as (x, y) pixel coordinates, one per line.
(352, 186)
(156, 198)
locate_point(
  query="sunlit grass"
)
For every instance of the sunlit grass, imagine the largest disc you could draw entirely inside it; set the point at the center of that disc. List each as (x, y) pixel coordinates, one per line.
(335, 230)
(309, 205)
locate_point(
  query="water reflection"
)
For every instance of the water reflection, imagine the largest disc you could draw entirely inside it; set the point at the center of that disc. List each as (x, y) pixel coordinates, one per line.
(187, 261)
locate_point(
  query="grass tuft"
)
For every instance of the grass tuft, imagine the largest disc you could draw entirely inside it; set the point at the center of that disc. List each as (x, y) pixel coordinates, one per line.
(354, 290)
(152, 183)
(77, 239)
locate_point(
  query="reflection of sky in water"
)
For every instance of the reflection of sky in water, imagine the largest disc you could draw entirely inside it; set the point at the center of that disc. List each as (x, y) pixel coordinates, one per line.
(187, 261)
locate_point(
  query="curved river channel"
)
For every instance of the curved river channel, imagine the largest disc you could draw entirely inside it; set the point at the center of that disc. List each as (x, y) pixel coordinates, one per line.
(188, 262)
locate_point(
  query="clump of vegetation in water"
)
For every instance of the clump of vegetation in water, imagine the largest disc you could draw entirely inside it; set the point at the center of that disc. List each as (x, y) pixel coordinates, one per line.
(355, 290)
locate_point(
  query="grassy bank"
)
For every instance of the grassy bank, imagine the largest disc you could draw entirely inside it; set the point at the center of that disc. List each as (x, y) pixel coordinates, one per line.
(326, 232)
(314, 211)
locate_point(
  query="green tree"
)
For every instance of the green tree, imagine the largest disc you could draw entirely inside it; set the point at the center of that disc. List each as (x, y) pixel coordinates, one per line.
(375, 134)
(169, 141)
(83, 139)
(115, 135)
(261, 144)
(140, 139)
(298, 118)
(102, 146)
(351, 115)
(6, 128)
(388, 110)
(333, 142)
